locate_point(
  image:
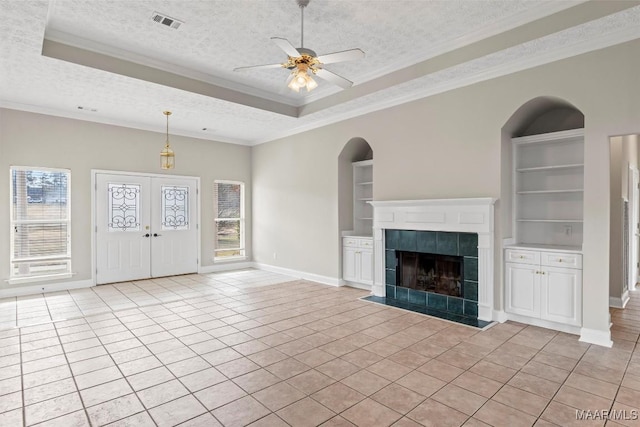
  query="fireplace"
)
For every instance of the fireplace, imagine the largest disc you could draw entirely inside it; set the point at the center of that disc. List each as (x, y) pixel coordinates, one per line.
(450, 227)
(437, 270)
(441, 274)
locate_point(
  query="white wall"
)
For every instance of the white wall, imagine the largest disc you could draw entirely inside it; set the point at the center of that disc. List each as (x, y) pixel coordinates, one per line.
(445, 146)
(28, 139)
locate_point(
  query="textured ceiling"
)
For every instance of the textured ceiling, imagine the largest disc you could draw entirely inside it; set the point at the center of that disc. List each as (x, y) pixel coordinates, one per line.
(402, 41)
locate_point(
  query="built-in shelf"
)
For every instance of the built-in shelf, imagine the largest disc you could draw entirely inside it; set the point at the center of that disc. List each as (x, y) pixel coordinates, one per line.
(575, 190)
(548, 186)
(550, 220)
(362, 195)
(548, 168)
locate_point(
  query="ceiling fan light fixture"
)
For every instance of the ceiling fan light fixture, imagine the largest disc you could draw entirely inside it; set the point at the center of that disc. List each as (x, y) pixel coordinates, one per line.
(303, 62)
(302, 79)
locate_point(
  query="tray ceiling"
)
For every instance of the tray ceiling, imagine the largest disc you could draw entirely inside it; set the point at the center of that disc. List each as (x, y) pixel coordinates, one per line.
(111, 57)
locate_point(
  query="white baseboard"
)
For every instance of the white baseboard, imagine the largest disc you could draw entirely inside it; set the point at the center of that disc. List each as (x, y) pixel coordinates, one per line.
(354, 285)
(615, 302)
(44, 288)
(569, 329)
(620, 302)
(227, 266)
(625, 299)
(500, 316)
(326, 280)
(485, 313)
(596, 336)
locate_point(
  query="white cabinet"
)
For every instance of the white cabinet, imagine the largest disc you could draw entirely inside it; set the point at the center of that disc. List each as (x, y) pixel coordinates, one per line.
(545, 286)
(522, 294)
(548, 187)
(560, 295)
(357, 260)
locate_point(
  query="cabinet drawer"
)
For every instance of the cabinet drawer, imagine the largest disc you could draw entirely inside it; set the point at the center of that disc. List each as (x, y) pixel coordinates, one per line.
(366, 243)
(350, 241)
(522, 257)
(560, 259)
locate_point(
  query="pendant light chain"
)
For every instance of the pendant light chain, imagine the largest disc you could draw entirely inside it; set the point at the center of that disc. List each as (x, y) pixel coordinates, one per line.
(167, 116)
(167, 156)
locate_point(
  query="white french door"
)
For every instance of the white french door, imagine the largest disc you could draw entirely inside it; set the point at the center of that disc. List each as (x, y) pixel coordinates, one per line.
(145, 227)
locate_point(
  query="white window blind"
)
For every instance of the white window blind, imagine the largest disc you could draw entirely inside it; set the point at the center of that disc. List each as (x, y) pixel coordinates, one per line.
(40, 222)
(229, 205)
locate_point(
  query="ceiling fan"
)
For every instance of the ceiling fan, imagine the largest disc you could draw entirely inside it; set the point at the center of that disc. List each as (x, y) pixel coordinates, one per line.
(303, 62)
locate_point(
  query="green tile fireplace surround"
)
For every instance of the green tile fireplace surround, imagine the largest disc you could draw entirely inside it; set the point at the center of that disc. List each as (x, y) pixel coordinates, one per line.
(464, 245)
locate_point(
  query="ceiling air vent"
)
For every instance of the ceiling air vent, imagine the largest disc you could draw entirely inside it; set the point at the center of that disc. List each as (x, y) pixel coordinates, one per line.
(166, 20)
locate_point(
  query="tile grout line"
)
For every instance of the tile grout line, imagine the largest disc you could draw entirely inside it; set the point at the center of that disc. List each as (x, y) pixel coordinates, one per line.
(294, 315)
(133, 391)
(24, 406)
(86, 413)
(626, 368)
(163, 365)
(111, 310)
(55, 327)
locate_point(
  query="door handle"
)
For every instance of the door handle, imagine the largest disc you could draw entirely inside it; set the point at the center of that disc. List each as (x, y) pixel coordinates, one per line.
(146, 235)
(156, 235)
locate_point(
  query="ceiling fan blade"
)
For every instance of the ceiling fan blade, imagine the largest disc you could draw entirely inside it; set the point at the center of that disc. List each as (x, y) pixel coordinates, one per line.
(285, 45)
(333, 78)
(345, 55)
(253, 67)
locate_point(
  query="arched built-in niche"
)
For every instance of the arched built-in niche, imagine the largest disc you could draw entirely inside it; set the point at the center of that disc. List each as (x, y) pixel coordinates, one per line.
(540, 115)
(355, 150)
(542, 211)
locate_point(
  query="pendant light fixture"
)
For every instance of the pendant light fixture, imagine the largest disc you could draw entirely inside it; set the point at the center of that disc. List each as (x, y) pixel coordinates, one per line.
(167, 156)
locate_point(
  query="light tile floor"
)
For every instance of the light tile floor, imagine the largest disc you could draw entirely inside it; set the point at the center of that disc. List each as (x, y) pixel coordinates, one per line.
(40, 308)
(239, 348)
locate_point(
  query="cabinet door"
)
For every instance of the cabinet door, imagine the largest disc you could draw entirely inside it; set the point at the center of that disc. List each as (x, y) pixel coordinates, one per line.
(522, 290)
(366, 267)
(350, 264)
(561, 295)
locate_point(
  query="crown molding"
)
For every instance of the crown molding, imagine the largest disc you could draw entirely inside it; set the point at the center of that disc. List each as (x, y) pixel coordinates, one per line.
(116, 122)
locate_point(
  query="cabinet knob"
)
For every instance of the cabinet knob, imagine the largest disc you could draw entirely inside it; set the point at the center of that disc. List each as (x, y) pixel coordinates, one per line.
(559, 259)
(521, 256)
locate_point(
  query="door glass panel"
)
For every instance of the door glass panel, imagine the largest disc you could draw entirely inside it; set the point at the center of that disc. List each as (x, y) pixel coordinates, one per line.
(175, 207)
(124, 207)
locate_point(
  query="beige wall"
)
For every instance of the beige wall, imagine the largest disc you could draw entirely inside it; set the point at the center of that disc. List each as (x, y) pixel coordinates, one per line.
(445, 146)
(624, 154)
(28, 139)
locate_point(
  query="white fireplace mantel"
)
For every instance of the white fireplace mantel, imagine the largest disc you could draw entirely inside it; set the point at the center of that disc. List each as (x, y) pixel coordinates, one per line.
(469, 215)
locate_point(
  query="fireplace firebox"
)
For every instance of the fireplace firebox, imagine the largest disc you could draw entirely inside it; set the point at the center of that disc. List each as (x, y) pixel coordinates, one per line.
(441, 274)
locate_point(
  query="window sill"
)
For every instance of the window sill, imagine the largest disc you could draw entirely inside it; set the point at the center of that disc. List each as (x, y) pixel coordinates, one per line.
(229, 259)
(34, 279)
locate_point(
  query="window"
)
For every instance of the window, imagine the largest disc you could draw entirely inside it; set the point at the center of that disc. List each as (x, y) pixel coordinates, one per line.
(229, 206)
(40, 223)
